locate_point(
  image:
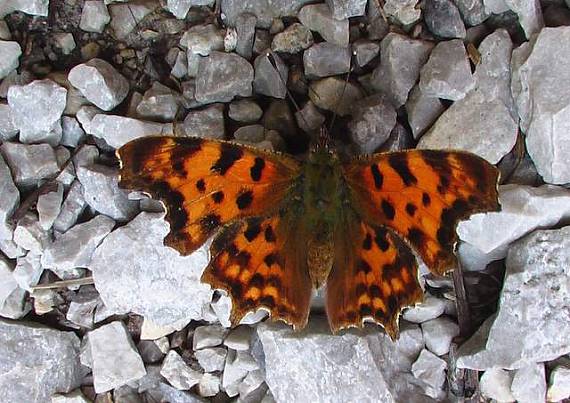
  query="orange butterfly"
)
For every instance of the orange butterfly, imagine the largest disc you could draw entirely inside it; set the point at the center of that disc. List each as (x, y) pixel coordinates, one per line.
(284, 227)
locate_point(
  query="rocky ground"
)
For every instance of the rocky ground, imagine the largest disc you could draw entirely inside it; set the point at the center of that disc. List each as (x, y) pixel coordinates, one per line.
(95, 308)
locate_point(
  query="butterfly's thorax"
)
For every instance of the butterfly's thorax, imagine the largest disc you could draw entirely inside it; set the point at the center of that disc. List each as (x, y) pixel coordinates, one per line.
(322, 200)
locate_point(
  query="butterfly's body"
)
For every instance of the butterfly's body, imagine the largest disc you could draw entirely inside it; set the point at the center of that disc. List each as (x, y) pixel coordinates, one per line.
(285, 227)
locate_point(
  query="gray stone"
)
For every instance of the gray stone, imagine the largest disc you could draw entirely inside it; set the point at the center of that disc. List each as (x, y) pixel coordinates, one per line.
(238, 364)
(119, 130)
(7, 128)
(16, 305)
(496, 6)
(294, 39)
(343, 9)
(201, 40)
(125, 17)
(208, 336)
(30, 163)
(211, 359)
(318, 17)
(250, 134)
(376, 26)
(159, 103)
(540, 87)
(94, 16)
(447, 73)
(438, 334)
(28, 271)
(74, 397)
(85, 115)
(5, 34)
(325, 59)
(8, 283)
(37, 362)
(14, 79)
(389, 77)
(268, 80)
(82, 308)
(472, 11)
(443, 19)
(49, 206)
(11, 249)
(252, 381)
(11, 53)
(422, 110)
(525, 328)
(180, 8)
(245, 110)
(71, 209)
(374, 117)
(100, 83)
(529, 384)
(400, 139)
(102, 193)
(317, 366)
(178, 373)
(239, 338)
(150, 279)
(223, 76)
(64, 42)
(32, 7)
(261, 43)
(523, 210)
(529, 13)
(245, 27)
(110, 344)
(495, 384)
(206, 123)
(264, 10)
(36, 110)
(364, 51)
(430, 370)
(180, 64)
(73, 134)
(29, 235)
(74, 249)
(209, 385)
(430, 308)
(9, 200)
(309, 118)
(559, 385)
(335, 94)
(150, 352)
(405, 12)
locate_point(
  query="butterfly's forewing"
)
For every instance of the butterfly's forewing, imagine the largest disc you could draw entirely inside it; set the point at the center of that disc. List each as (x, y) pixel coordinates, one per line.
(374, 276)
(205, 184)
(262, 263)
(422, 195)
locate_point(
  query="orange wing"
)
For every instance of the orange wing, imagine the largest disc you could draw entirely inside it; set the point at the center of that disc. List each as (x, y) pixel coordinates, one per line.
(261, 263)
(422, 195)
(205, 184)
(374, 276)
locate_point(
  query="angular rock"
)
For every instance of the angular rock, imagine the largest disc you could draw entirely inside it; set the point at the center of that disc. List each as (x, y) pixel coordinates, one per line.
(36, 110)
(364, 51)
(495, 384)
(74, 249)
(83, 306)
(422, 110)
(325, 59)
(529, 13)
(125, 17)
(239, 338)
(211, 359)
(374, 117)
(559, 385)
(150, 279)
(110, 344)
(237, 366)
(430, 370)
(269, 80)
(94, 16)
(376, 26)
(404, 11)
(438, 334)
(180, 64)
(159, 103)
(540, 87)
(74, 397)
(7, 128)
(472, 11)
(294, 39)
(525, 329)
(11, 53)
(252, 381)
(447, 73)
(443, 19)
(318, 17)
(264, 10)
(335, 94)
(72, 134)
(429, 309)
(64, 42)
(150, 352)
(206, 123)
(29, 234)
(119, 130)
(309, 118)
(209, 385)
(9, 200)
(245, 110)
(8, 283)
(223, 76)
(37, 362)
(178, 373)
(49, 206)
(208, 336)
(30, 163)
(523, 210)
(179, 8)
(529, 384)
(71, 209)
(245, 27)
(250, 134)
(201, 40)
(28, 271)
(100, 83)
(343, 9)
(389, 77)
(400, 139)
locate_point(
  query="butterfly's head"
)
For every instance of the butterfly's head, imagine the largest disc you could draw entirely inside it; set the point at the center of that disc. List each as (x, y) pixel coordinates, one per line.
(323, 149)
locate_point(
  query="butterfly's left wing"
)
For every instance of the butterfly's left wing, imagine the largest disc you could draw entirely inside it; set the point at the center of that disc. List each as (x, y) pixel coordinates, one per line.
(422, 195)
(205, 184)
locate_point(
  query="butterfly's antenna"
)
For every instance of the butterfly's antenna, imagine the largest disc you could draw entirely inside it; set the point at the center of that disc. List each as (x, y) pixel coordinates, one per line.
(289, 95)
(341, 95)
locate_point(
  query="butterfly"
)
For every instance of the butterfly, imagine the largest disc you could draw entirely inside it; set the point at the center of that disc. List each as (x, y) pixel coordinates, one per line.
(285, 226)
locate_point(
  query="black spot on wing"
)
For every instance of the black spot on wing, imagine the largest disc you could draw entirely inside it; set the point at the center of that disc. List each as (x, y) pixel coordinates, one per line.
(253, 229)
(269, 234)
(449, 218)
(244, 199)
(201, 185)
(242, 258)
(361, 289)
(218, 197)
(381, 239)
(174, 201)
(377, 176)
(141, 150)
(185, 148)
(229, 155)
(388, 209)
(411, 209)
(364, 266)
(367, 243)
(437, 160)
(426, 199)
(416, 237)
(375, 291)
(399, 163)
(268, 301)
(365, 310)
(257, 169)
(271, 259)
(257, 280)
(209, 223)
